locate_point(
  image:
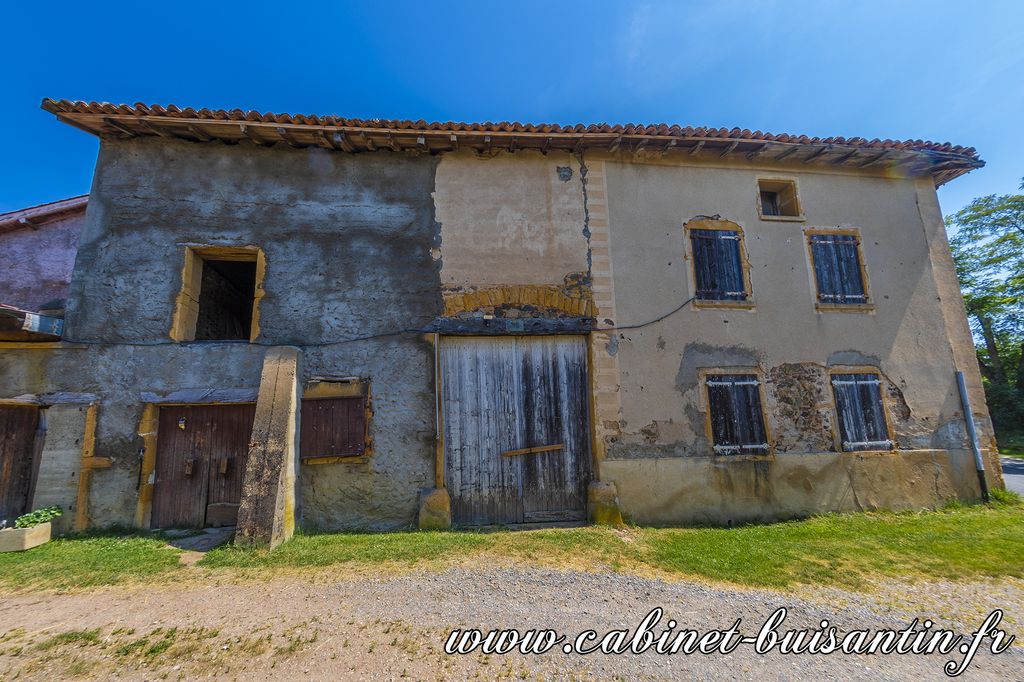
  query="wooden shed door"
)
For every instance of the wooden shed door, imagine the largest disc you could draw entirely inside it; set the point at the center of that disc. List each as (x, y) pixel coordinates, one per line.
(17, 449)
(516, 428)
(200, 464)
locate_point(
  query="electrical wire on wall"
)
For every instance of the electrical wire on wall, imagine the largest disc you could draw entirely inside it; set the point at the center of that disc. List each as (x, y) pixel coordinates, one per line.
(583, 170)
(370, 337)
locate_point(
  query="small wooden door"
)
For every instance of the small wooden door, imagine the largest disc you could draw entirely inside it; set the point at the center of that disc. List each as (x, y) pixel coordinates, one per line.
(516, 428)
(200, 464)
(18, 426)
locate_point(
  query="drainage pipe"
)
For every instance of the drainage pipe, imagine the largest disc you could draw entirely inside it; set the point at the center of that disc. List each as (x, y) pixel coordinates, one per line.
(972, 433)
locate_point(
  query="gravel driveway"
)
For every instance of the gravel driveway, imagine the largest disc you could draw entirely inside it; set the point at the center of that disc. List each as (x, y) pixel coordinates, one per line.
(380, 628)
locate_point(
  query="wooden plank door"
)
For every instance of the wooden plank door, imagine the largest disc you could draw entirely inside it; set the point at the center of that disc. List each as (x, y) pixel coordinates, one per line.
(507, 395)
(556, 413)
(229, 432)
(200, 462)
(480, 398)
(18, 425)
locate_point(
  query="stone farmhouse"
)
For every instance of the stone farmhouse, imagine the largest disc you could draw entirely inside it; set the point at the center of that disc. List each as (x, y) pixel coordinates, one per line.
(276, 320)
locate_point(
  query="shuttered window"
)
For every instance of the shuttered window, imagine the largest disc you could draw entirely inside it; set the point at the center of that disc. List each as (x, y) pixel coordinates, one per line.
(837, 268)
(718, 265)
(333, 427)
(861, 413)
(737, 422)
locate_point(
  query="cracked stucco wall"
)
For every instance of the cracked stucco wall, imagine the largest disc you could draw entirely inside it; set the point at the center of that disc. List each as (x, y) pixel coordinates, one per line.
(661, 455)
(510, 219)
(348, 242)
(36, 263)
(378, 241)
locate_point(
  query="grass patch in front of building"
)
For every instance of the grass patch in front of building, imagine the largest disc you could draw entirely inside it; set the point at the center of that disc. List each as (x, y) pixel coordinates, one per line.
(90, 559)
(959, 542)
(846, 550)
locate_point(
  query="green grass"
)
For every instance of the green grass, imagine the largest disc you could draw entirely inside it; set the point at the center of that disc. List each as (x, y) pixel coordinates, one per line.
(85, 637)
(849, 550)
(1011, 445)
(361, 548)
(87, 560)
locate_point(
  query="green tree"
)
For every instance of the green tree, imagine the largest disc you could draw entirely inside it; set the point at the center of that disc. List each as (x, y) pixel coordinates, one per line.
(988, 247)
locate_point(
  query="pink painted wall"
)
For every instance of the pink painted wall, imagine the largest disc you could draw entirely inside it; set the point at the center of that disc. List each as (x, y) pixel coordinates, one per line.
(36, 265)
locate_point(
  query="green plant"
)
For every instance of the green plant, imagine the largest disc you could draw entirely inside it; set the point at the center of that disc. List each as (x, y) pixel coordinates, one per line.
(37, 517)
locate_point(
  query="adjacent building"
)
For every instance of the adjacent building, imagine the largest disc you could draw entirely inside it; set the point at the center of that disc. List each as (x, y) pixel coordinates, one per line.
(368, 324)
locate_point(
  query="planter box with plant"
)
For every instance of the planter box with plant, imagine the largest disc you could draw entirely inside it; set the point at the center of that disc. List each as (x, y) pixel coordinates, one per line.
(30, 530)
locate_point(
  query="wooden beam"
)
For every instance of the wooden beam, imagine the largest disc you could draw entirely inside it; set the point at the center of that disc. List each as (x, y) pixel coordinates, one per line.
(546, 147)
(818, 153)
(339, 139)
(696, 148)
(757, 152)
(392, 145)
(614, 146)
(670, 145)
(200, 135)
(792, 150)
(121, 127)
(155, 129)
(370, 146)
(454, 139)
(323, 141)
(421, 144)
(730, 149)
(842, 159)
(512, 145)
(579, 146)
(248, 132)
(85, 469)
(533, 451)
(639, 147)
(286, 136)
(487, 144)
(875, 159)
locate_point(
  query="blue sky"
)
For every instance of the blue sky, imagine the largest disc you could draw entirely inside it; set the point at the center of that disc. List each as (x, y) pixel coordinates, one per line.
(929, 70)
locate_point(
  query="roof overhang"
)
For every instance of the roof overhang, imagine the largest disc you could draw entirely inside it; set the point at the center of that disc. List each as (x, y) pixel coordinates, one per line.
(942, 161)
(37, 216)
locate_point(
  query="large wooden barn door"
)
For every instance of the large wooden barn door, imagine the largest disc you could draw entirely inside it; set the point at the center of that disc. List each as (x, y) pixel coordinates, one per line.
(516, 428)
(18, 426)
(200, 464)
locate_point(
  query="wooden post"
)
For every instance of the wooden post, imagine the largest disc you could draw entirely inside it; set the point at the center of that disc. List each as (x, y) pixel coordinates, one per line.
(89, 462)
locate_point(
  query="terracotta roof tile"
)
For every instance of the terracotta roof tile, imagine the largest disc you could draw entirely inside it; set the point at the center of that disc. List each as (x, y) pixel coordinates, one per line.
(42, 214)
(659, 129)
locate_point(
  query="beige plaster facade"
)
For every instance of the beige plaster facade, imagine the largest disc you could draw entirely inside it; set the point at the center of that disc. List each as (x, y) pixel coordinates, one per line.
(648, 401)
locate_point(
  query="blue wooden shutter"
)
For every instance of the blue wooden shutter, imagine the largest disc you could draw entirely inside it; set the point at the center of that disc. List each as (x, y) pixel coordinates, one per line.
(861, 413)
(737, 420)
(837, 269)
(718, 265)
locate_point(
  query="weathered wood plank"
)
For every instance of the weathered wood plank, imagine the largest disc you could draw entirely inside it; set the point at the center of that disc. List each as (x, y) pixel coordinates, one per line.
(534, 451)
(506, 396)
(17, 448)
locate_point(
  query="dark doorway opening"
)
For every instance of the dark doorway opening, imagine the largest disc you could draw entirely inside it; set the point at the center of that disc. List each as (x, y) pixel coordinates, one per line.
(226, 300)
(18, 426)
